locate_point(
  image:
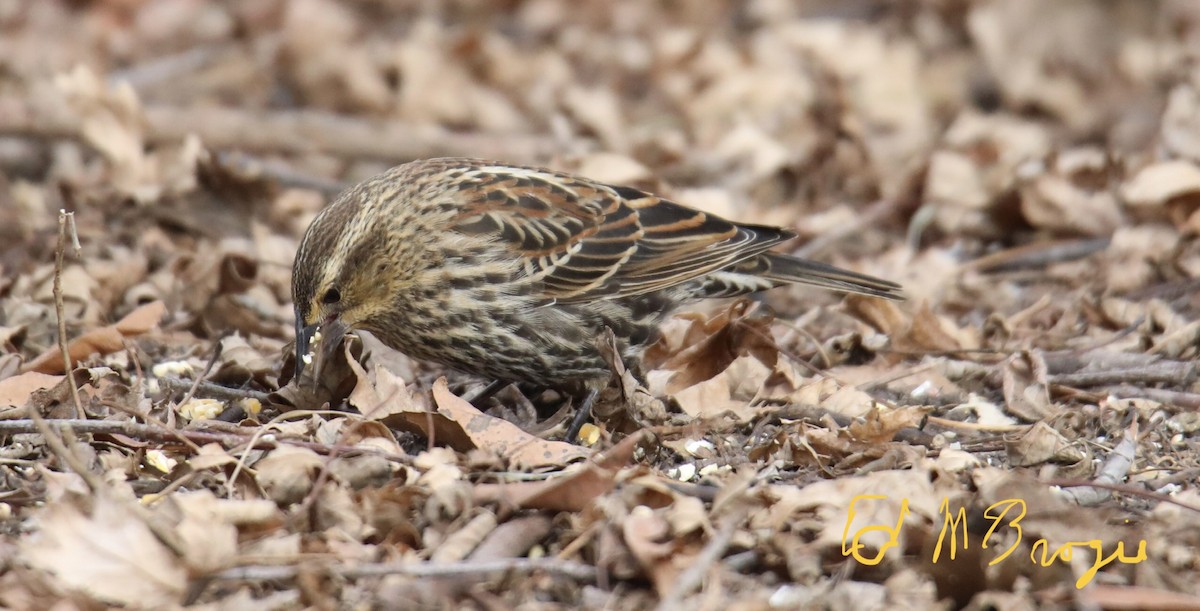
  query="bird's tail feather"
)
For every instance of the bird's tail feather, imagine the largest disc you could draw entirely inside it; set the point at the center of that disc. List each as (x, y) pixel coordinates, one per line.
(786, 269)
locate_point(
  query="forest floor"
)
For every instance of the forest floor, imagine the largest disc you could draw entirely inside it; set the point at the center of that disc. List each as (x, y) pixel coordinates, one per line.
(1028, 170)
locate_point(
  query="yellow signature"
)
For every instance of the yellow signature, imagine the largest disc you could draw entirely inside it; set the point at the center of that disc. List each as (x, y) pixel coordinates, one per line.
(1007, 513)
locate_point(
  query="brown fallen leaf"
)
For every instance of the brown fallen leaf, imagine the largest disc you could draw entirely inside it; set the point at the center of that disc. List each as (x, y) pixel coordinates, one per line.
(731, 391)
(648, 536)
(709, 345)
(921, 330)
(15, 391)
(287, 473)
(881, 425)
(1042, 444)
(1026, 391)
(104, 340)
(524, 451)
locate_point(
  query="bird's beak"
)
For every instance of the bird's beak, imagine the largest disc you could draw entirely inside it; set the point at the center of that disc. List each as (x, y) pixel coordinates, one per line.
(304, 337)
(332, 330)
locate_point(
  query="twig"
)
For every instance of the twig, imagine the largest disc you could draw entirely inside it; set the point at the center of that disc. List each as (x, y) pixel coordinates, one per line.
(1038, 255)
(150, 418)
(55, 441)
(159, 69)
(68, 366)
(286, 131)
(1178, 398)
(216, 391)
(1177, 478)
(1159, 373)
(1124, 489)
(137, 430)
(565, 568)
(975, 426)
(278, 172)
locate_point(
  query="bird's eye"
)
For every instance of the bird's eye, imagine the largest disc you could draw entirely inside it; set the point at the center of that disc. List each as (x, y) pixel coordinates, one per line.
(331, 297)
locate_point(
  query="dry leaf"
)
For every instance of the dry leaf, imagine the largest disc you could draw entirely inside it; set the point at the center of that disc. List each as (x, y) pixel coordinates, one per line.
(1026, 391)
(647, 535)
(1040, 444)
(524, 451)
(287, 473)
(15, 391)
(1158, 183)
(106, 552)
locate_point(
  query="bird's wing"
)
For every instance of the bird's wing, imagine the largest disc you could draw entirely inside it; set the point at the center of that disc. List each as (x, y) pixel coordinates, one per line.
(578, 240)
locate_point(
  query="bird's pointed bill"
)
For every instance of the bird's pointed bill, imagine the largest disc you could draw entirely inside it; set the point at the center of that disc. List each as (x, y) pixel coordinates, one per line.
(315, 342)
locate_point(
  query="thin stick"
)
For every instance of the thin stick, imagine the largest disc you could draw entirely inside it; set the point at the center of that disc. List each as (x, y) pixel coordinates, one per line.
(573, 570)
(203, 374)
(68, 367)
(1159, 373)
(216, 391)
(137, 430)
(152, 420)
(975, 426)
(1123, 489)
(287, 131)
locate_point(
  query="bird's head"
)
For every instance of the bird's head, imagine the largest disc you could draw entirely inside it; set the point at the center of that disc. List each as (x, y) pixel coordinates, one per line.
(345, 273)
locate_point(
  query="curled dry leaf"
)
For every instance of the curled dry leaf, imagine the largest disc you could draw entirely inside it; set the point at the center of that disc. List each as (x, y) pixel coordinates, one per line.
(287, 473)
(1026, 391)
(104, 340)
(1053, 202)
(207, 526)
(381, 395)
(882, 424)
(639, 402)
(1156, 184)
(698, 347)
(647, 535)
(731, 391)
(876, 498)
(461, 542)
(923, 331)
(524, 451)
(329, 380)
(833, 396)
(513, 538)
(1042, 444)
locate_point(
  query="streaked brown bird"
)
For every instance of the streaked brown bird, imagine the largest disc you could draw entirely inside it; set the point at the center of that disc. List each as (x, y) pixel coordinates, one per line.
(511, 272)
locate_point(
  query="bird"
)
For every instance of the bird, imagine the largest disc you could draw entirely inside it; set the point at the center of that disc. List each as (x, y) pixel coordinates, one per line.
(510, 273)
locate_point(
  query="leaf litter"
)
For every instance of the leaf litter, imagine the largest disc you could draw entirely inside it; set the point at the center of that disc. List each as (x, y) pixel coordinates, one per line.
(1028, 170)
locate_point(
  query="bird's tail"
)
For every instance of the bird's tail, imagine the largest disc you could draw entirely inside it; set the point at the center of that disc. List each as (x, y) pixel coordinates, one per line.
(770, 269)
(786, 269)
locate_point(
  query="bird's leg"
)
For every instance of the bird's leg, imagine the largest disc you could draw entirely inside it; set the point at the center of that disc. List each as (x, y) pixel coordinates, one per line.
(487, 392)
(582, 415)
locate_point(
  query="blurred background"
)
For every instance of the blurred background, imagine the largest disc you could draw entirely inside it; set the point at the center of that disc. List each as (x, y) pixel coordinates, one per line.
(908, 124)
